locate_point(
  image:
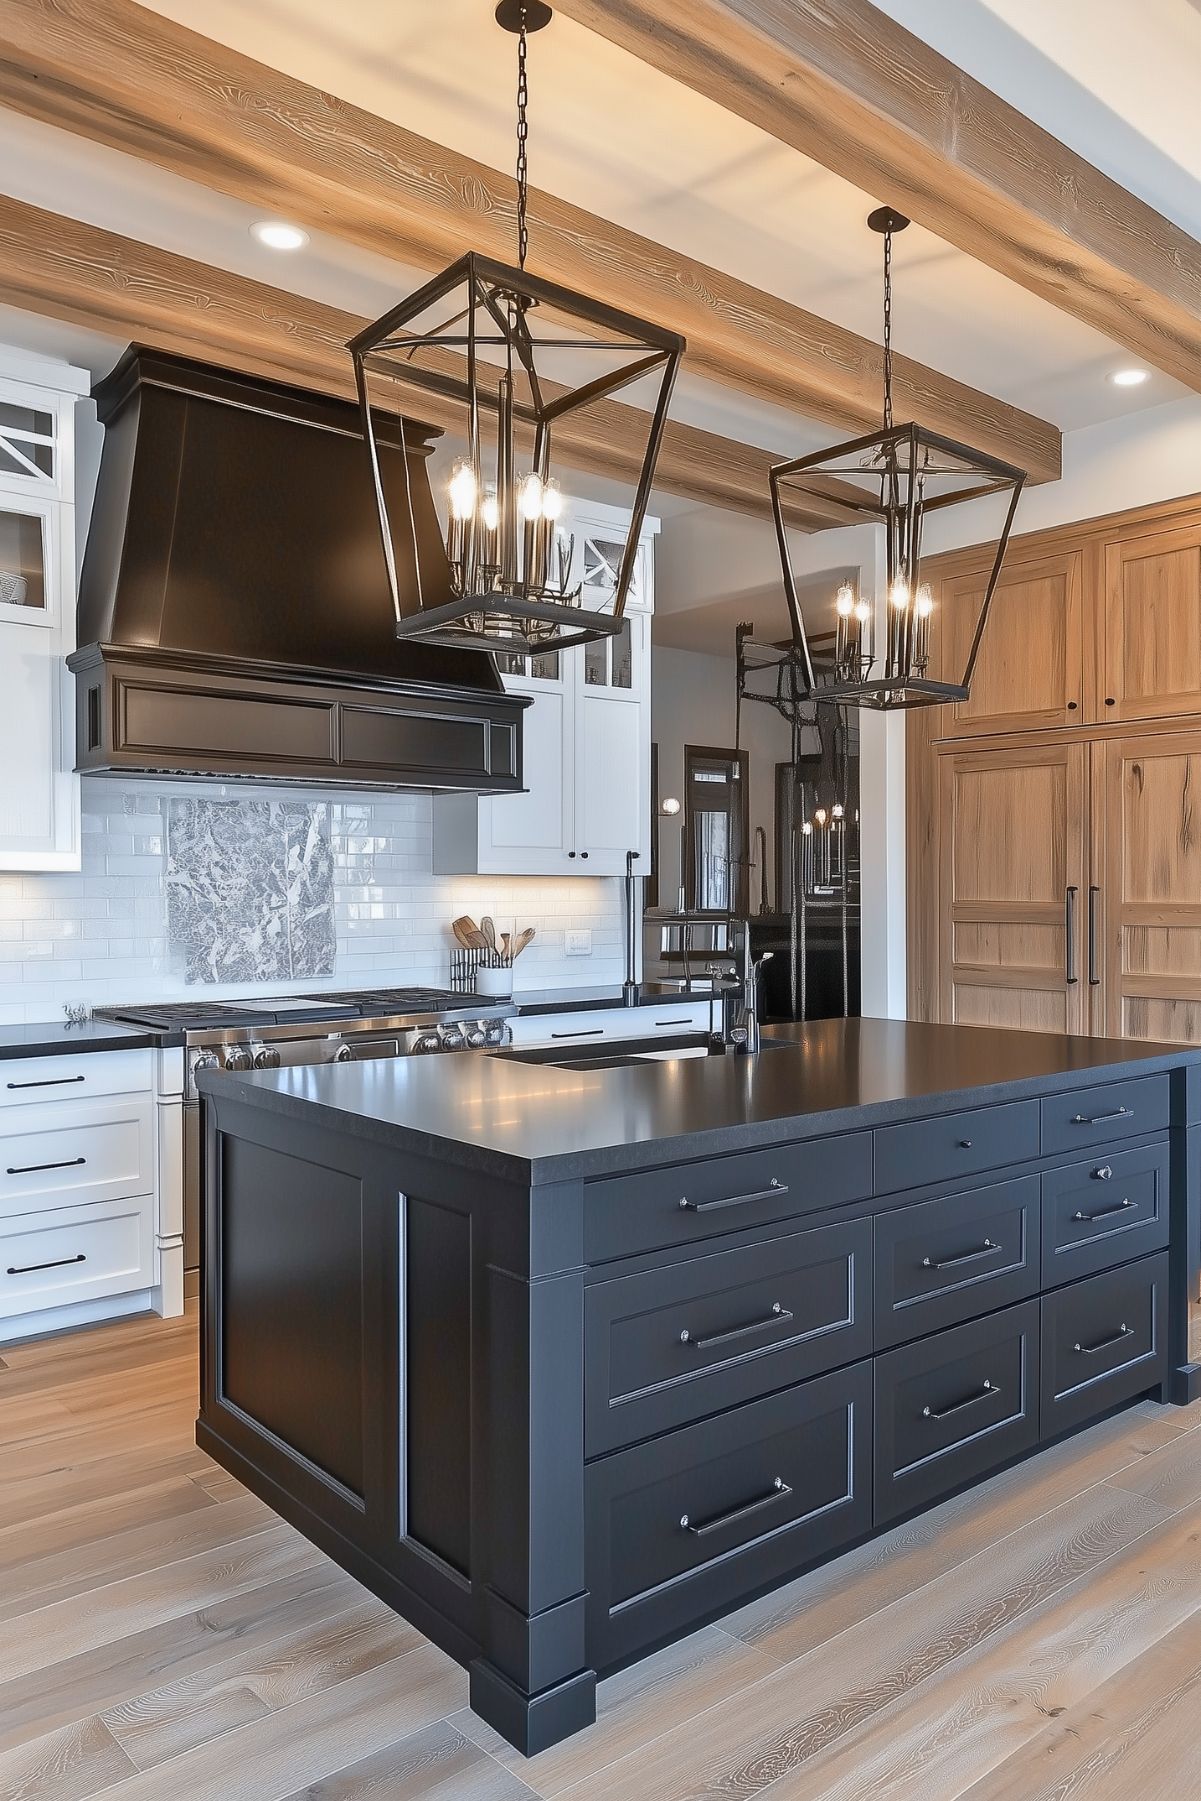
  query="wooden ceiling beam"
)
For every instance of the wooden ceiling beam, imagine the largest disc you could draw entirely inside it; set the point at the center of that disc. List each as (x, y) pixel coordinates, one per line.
(843, 83)
(63, 269)
(117, 74)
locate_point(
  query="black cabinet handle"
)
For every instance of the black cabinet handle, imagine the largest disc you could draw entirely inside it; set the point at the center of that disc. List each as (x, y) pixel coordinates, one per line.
(583, 853)
(1069, 937)
(944, 1413)
(571, 853)
(780, 1491)
(734, 1200)
(27, 1269)
(28, 1169)
(987, 1249)
(778, 1316)
(47, 1082)
(584, 1032)
(1102, 1119)
(1103, 1344)
(1125, 1206)
(1094, 980)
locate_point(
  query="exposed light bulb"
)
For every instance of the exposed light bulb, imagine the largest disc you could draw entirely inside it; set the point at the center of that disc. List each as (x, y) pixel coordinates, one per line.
(552, 501)
(863, 612)
(490, 511)
(820, 816)
(529, 497)
(925, 601)
(844, 601)
(807, 829)
(837, 809)
(464, 490)
(898, 594)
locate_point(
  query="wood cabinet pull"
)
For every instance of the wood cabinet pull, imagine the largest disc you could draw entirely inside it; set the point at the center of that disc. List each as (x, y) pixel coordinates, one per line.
(780, 1491)
(770, 1193)
(47, 1082)
(27, 1269)
(1102, 1119)
(944, 1413)
(987, 1249)
(779, 1316)
(1124, 1206)
(1103, 1344)
(28, 1169)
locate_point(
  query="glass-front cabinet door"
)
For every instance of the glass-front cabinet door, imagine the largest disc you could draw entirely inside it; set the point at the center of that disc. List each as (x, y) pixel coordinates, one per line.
(28, 560)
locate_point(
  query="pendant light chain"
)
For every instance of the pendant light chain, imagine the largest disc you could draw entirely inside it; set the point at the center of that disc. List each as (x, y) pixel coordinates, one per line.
(888, 329)
(523, 132)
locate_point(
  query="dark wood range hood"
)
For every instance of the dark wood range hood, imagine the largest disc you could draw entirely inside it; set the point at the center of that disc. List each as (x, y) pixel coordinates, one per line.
(234, 614)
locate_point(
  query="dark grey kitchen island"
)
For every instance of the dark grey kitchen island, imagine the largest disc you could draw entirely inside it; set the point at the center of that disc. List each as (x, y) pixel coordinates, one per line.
(563, 1362)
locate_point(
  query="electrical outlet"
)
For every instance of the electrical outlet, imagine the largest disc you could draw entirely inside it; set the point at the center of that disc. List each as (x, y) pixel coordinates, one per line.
(577, 944)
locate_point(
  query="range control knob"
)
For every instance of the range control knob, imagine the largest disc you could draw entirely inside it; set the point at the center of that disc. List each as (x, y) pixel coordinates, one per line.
(236, 1057)
(477, 1036)
(267, 1058)
(343, 1054)
(497, 1033)
(206, 1060)
(453, 1039)
(425, 1042)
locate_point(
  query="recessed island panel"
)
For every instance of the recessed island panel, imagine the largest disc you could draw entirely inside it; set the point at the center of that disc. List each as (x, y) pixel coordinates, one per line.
(565, 1363)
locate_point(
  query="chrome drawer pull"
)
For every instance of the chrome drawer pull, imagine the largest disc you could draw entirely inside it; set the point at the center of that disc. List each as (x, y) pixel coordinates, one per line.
(1104, 1174)
(771, 1193)
(47, 1082)
(987, 1249)
(28, 1169)
(1103, 1344)
(1102, 1119)
(26, 1269)
(944, 1413)
(779, 1316)
(780, 1491)
(1124, 1206)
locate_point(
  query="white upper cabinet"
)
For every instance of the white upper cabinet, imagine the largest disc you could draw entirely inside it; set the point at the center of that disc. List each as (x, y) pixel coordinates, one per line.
(39, 798)
(586, 737)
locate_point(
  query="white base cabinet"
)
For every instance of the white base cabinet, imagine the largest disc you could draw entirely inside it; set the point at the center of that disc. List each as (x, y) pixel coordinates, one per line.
(586, 741)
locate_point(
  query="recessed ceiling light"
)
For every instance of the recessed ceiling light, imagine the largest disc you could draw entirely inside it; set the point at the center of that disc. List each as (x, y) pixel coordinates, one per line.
(1130, 378)
(276, 234)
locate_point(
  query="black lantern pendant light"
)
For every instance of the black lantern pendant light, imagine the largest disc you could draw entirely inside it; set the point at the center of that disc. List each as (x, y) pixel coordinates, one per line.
(526, 360)
(894, 480)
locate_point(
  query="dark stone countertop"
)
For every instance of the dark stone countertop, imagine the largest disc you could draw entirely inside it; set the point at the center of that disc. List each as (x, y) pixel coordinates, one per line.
(55, 1038)
(536, 1123)
(571, 1000)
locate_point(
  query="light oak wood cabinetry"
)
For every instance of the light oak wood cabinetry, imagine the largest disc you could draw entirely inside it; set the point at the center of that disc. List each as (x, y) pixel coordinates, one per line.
(1012, 875)
(1054, 877)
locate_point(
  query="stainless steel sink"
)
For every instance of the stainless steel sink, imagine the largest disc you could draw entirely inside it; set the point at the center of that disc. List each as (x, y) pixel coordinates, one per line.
(593, 1057)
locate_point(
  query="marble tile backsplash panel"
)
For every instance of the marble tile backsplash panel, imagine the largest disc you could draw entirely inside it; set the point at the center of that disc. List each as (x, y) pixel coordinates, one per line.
(102, 935)
(250, 889)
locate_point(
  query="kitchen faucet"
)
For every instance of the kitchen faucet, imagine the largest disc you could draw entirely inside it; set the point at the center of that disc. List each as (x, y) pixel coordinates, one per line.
(739, 991)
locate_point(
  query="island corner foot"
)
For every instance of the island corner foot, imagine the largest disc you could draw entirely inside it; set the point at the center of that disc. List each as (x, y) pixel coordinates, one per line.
(532, 1723)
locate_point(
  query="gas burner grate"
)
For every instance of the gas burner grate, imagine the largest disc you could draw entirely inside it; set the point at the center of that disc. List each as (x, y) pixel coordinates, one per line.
(400, 1000)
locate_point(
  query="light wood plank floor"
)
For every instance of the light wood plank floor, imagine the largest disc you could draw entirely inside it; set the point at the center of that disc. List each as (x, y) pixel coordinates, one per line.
(163, 1634)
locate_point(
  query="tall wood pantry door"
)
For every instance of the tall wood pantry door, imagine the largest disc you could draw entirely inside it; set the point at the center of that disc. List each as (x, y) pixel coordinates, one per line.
(1012, 876)
(1147, 871)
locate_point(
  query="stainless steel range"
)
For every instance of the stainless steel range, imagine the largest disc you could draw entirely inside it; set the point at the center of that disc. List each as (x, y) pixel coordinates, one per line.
(279, 1032)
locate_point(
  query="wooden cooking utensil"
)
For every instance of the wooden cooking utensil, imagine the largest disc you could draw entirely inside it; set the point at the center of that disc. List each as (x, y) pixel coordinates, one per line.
(506, 945)
(468, 933)
(488, 928)
(521, 940)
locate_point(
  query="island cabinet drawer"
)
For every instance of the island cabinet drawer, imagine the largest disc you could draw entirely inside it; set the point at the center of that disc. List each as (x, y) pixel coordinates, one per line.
(690, 1339)
(74, 1254)
(948, 1260)
(75, 1077)
(684, 1202)
(1105, 1211)
(1103, 1341)
(953, 1406)
(688, 1524)
(955, 1144)
(67, 1153)
(1098, 1116)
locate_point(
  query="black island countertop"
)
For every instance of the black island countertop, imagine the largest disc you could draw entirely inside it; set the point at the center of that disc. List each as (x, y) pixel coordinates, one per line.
(535, 1123)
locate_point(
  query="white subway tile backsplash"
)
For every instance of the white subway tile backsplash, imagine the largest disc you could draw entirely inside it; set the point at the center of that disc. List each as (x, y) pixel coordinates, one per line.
(101, 935)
